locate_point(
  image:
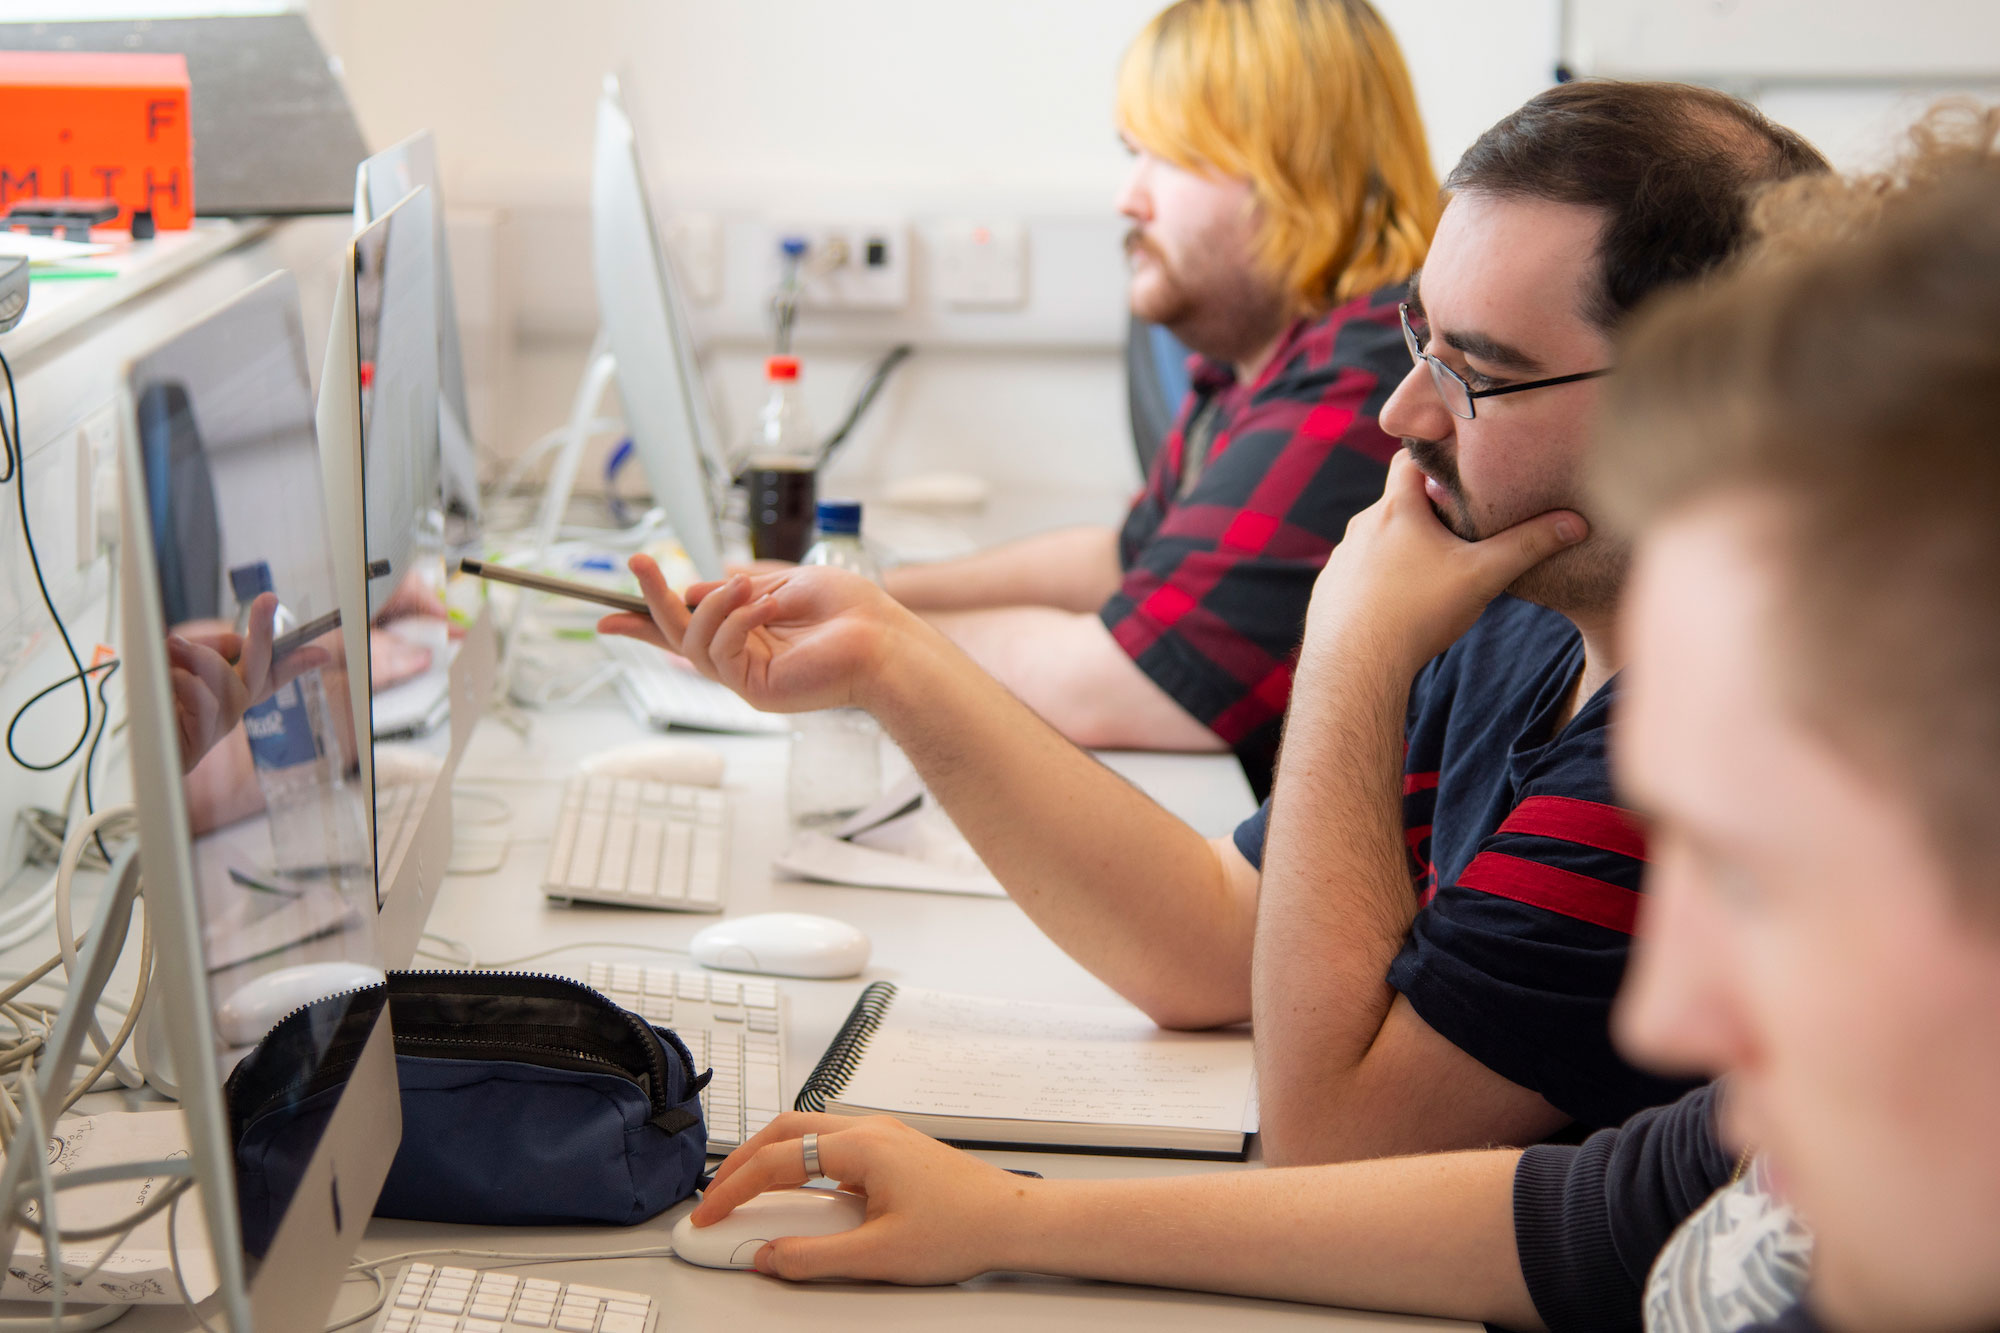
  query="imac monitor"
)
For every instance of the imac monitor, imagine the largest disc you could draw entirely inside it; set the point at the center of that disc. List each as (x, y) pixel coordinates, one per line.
(659, 382)
(378, 420)
(252, 811)
(380, 184)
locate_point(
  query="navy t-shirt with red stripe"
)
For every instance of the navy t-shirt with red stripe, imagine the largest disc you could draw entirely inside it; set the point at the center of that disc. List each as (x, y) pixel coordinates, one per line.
(1525, 867)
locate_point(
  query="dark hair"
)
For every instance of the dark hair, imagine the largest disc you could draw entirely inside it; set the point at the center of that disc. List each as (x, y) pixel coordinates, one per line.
(1847, 370)
(1672, 165)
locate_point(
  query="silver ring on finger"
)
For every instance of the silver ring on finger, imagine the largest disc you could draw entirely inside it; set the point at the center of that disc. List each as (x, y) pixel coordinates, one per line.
(810, 1146)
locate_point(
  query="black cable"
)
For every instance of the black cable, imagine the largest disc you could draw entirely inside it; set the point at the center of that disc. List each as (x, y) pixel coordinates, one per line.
(16, 451)
(865, 399)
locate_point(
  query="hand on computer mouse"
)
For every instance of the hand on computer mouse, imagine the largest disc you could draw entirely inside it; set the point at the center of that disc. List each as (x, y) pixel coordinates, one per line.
(935, 1214)
(807, 638)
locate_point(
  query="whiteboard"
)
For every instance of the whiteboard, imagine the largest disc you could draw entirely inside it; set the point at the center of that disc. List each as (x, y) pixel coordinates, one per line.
(1760, 40)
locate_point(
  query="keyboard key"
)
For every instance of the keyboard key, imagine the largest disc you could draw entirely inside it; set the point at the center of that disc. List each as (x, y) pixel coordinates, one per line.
(647, 842)
(540, 1316)
(674, 861)
(760, 1088)
(475, 1324)
(617, 856)
(621, 1322)
(589, 846)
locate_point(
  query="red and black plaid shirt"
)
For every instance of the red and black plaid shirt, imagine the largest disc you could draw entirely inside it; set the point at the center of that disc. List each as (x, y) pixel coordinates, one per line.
(1218, 571)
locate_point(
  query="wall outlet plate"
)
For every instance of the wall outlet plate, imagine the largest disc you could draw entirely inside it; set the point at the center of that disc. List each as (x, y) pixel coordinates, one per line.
(852, 265)
(982, 265)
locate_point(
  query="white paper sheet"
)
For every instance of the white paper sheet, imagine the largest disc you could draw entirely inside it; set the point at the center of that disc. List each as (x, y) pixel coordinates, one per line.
(940, 1054)
(140, 1271)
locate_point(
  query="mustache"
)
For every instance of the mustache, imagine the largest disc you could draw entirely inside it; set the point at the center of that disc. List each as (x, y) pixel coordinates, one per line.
(1136, 240)
(1438, 464)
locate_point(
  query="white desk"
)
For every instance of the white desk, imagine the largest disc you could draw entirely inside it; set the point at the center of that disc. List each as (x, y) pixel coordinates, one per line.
(926, 939)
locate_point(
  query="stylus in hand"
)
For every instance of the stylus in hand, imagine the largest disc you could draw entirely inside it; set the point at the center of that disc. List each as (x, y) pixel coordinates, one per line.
(583, 592)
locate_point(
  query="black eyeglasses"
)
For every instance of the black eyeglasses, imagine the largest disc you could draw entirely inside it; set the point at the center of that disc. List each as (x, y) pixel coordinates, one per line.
(1457, 394)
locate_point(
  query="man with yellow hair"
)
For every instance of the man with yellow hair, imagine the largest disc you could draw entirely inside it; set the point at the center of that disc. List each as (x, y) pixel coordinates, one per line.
(1281, 195)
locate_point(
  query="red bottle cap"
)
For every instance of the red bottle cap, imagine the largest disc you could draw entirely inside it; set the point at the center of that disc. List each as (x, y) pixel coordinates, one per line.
(781, 368)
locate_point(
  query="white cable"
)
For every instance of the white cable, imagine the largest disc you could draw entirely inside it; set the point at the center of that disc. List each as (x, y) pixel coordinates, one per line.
(580, 944)
(174, 1262)
(66, 938)
(548, 444)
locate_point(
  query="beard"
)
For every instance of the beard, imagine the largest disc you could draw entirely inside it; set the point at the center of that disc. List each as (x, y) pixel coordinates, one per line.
(1581, 579)
(1223, 312)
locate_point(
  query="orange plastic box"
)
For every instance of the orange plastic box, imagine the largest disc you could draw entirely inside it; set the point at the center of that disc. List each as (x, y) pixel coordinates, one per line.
(96, 125)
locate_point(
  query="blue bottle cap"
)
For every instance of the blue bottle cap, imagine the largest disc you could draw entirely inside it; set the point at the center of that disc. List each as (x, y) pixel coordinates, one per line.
(247, 581)
(839, 518)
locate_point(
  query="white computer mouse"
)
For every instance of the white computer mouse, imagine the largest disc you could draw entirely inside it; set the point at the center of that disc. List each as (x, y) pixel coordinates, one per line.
(782, 944)
(660, 759)
(734, 1241)
(939, 490)
(255, 1007)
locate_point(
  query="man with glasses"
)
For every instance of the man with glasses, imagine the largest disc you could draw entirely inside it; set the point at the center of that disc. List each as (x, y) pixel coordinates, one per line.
(1428, 921)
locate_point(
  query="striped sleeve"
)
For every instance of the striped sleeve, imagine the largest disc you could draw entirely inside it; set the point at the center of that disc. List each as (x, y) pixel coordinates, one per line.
(1516, 960)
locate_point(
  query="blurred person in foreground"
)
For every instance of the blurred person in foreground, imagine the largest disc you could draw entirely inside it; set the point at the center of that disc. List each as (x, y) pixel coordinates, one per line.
(1812, 726)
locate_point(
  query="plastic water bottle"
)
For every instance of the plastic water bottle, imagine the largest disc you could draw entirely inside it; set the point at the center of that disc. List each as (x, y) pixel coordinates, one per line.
(782, 454)
(836, 753)
(315, 821)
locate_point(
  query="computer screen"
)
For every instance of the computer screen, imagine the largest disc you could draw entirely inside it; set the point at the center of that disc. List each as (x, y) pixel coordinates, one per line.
(409, 642)
(659, 381)
(379, 442)
(258, 873)
(383, 181)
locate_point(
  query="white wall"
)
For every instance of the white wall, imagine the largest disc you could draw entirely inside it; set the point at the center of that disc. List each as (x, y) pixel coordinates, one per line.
(904, 107)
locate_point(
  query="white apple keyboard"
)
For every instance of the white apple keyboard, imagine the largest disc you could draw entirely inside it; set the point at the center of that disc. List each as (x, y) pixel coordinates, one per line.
(733, 1025)
(427, 1298)
(633, 843)
(661, 694)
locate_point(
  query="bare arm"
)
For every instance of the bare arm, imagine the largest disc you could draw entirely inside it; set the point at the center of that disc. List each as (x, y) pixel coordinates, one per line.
(1073, 569)
(1140, 899)
(1347, 1068)
(1066, 666)
(1420, 1235)
(1158, 913)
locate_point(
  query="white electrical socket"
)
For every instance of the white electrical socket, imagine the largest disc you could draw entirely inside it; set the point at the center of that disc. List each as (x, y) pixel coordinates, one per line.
(982, 265)
(852, 265)
(97, 491)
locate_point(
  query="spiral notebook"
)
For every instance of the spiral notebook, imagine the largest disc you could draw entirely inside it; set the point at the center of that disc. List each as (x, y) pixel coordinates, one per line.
(992, 1073)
